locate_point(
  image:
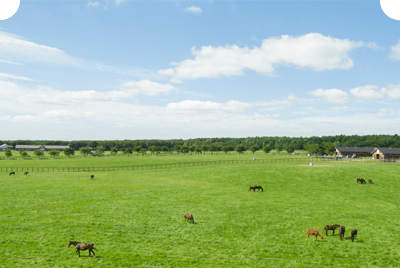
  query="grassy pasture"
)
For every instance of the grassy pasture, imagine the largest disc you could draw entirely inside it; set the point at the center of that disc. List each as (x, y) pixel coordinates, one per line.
(135, 218)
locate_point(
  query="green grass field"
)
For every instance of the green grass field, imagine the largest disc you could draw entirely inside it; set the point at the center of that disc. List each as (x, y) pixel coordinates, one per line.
(135, 218)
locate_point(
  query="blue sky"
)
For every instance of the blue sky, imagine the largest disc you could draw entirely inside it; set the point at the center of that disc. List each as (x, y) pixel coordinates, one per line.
(113, 69)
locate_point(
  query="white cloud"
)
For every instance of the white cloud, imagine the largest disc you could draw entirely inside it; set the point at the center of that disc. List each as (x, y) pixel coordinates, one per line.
(147, 87)
(118, 2)
(15, 48)
(392, 91)
(287, 101)
(395, 51)
(5, 75)
(331, 95)
(208, 106)
(314, 51)
(194, 9)
(367, 93)
(93, 4)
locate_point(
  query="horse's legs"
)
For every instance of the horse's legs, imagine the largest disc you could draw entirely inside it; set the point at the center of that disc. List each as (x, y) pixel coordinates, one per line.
(77, 252)
(333, 232)
(93, 253)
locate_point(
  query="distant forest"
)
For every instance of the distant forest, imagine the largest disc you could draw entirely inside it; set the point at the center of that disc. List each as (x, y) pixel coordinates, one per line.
(218, 143)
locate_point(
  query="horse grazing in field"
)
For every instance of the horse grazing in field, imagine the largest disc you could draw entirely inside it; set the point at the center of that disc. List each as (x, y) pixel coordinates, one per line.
(313, 232)
(370, 181)
(189, 217)
(362, 181)
(331, 227)
(26, 173)
(256, 187)
(251, 188)
(353, 234)
(342, 230)
(11, 173)
(82, 246)
(91, 176)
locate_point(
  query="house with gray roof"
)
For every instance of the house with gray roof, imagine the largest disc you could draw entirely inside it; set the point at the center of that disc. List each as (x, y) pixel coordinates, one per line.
(5, 147)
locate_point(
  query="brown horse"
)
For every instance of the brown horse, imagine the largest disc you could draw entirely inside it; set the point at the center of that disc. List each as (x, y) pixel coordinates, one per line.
(342, 230)
(189, 217)
(11, 173)
(313, 232)
(82, 246)
(256, 187)
(331, 227)
(250, 188)
(362, 181)
(370, 181)
(353, 233)
(26, 173)
(91, 176)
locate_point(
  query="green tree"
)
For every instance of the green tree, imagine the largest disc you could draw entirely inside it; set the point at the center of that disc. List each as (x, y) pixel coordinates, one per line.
(38, 153)
(266, 149)
(54, 153)
(185, 149)
(192, 148)
(165, 149)
(143, 151)
(85, 151)
(100, 150)
(23, 153)
(290, 149)
(8, 153)
(278, 148)
(114, 151)
(204, 148)
(330, 148)
(240, 148)
(128, 151)
(177, 148)
(254, 148)
(137, 148)
(69, 151)
(198, 150)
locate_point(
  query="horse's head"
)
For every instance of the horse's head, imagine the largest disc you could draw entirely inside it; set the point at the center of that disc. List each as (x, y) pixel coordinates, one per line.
(70, 243)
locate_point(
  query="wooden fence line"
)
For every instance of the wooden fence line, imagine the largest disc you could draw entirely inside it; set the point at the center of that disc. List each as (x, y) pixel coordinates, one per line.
(176, 165)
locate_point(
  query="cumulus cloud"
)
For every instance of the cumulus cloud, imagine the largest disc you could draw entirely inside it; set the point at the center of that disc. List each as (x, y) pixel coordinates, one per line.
(331, 95)
(147, 87)
(194, 9)
(367, 93)
(392, 91)
(314, 51)
(395, 51)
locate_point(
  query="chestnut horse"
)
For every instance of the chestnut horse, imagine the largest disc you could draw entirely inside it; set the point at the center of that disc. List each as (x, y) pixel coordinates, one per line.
(26, 173)
(353, 233)
(331, 227)
(82, 246)
(313, 232)
(189, 217)
(370, 181)
(342, 230)
(362, 181)
(91, 176)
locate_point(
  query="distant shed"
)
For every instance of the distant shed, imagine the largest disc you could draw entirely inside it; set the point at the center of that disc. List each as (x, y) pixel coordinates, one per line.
(359, 151)
(386, 153)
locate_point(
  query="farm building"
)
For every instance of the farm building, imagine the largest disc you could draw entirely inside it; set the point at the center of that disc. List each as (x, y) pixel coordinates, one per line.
(386, 153)
(5, 146)
(40, 147)
(359, 151)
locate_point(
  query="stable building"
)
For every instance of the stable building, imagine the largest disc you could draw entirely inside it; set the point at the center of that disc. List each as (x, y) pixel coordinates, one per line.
(359, 151)
(40, 147)
(5, 147)
(386, 153)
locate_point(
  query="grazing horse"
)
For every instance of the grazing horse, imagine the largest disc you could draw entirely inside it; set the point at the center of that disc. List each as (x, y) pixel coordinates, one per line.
(82, 246)
(256, 187)
(362, 181)
(353, 234)
(313, 232)
(331, 227)
(26, 173)
(342, 230)
(91, 176)
(251, 188)
(189, 217)
(12, 173)
(370, 181)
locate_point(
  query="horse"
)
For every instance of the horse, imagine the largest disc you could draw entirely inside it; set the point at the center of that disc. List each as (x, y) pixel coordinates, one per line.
(313, 232)
(11, 173)
(91, 176)
(251, 188)
(370, 181)
(362, 181)
(189, 217)
(82, 246)
(26, 173)
(342, 230)
(353, 233)
(331, 227)
(258, 187)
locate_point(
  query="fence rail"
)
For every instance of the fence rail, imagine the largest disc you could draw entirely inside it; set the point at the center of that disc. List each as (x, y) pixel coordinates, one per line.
(178, 165)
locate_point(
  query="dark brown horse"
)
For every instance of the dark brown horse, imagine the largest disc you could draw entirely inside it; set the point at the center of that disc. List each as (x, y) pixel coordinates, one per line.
(370, 181)
(189, 217)
(353, 234)
(82, 246)
(256, 187)
(91, 176)
(331, 227)
(362, 181)
(11, 173)
(342, 230)
(26, 173)
(250, 188)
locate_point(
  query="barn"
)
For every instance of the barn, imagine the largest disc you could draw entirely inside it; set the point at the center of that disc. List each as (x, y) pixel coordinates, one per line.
(359, 151)
(386, 153)
(40, 147)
